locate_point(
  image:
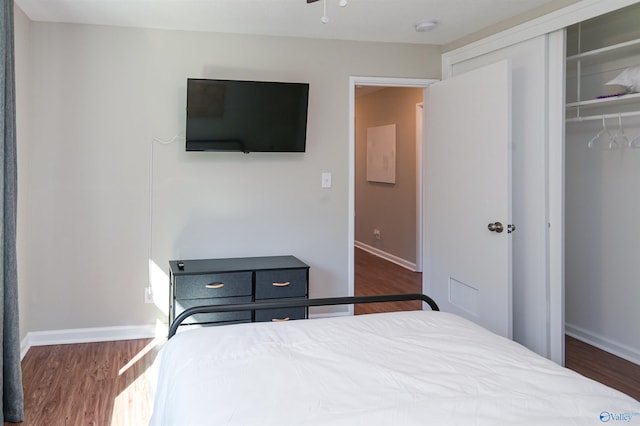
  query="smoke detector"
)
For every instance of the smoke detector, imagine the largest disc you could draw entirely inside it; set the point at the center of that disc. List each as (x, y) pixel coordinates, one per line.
(425, 25)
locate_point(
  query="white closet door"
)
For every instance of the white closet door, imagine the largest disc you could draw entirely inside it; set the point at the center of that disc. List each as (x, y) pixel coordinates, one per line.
(537, 114)
(468, 187)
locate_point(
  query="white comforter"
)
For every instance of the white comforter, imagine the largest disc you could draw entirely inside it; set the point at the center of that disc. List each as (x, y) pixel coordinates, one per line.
(402, 368)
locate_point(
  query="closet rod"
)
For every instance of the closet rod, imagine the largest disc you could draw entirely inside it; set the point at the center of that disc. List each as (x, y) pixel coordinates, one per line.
(603, 116)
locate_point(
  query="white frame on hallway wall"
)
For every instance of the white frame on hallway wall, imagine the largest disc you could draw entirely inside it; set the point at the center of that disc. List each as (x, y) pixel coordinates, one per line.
(386, 82)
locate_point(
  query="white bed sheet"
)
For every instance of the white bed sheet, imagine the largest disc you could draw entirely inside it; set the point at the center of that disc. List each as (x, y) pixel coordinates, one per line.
(401, 368)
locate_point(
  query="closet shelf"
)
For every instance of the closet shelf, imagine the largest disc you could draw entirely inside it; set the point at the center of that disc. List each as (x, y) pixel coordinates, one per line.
(619, 115)
(598, 55)
(595, 67)
(613, 100)
(591, 106)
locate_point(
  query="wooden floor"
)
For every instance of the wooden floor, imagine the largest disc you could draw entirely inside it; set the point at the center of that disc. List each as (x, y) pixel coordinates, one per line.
(603, 367)
(88, 384)
(106, 383)
(375, 276)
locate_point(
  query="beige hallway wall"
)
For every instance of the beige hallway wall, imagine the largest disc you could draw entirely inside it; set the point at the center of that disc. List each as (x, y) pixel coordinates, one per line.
(390, 208)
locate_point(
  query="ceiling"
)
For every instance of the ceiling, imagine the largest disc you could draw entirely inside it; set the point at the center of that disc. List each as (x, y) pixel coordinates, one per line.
(363, 20)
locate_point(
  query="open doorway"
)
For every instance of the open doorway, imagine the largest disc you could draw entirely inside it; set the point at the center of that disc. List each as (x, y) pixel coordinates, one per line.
(386, 212)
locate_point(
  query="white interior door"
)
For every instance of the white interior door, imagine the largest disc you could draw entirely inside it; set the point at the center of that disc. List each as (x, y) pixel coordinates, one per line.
(467, 267)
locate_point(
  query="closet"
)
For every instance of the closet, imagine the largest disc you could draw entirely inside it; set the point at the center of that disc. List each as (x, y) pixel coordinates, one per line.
(602, 182)
(576, 207)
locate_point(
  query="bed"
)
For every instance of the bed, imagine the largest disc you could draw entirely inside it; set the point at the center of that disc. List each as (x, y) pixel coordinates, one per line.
(399, 368)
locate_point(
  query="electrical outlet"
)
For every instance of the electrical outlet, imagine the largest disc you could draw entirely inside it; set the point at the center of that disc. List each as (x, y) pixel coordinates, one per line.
(148, 295)
(376, 234)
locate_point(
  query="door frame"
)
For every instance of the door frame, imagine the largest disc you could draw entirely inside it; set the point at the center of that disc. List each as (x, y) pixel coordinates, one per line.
(419, 185)
(386, 82)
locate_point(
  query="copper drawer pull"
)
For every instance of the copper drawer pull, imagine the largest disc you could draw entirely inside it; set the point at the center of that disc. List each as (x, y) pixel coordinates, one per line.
(280, 319)
(219, 285)
(285, 284)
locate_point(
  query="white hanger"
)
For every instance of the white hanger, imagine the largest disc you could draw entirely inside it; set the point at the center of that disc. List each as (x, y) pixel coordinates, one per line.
(619, 139)
(603, 132)
(634, 143)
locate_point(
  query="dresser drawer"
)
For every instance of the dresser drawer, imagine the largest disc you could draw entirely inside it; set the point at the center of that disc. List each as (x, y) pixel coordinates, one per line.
(281, 283)
(183, 304)
(213, 285)
(284, 314)
(204, 282)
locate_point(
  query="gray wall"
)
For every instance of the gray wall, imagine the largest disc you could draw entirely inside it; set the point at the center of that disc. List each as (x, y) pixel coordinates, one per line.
(391, 208)
(98, 96)
(23, 51)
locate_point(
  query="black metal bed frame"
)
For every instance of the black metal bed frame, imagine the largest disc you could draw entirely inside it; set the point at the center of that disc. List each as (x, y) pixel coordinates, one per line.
(297, 303)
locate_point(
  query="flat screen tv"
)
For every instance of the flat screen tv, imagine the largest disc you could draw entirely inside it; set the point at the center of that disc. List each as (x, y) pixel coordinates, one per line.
(247, 116)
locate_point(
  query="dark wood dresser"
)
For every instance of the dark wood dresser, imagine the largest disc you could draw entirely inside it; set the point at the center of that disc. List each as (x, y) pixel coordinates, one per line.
(200, 282)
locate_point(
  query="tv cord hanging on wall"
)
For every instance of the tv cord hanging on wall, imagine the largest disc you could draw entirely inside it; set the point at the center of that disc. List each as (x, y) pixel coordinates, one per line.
(150, 237)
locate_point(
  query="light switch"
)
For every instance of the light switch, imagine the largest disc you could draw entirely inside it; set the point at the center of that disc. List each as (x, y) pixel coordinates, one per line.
(326, 180)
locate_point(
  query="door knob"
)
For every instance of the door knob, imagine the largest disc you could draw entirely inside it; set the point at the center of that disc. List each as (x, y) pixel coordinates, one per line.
(495, 227)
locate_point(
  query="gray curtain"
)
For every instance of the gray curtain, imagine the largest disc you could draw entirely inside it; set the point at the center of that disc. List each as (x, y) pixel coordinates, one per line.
(12, 394)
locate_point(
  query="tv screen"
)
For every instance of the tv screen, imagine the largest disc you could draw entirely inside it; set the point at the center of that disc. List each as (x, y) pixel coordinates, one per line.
(247, 116)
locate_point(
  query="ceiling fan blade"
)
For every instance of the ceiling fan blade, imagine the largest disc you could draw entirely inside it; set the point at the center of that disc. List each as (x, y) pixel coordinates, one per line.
(311, 1)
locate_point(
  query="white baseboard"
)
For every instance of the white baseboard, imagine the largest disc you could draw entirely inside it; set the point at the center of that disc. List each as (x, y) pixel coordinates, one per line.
(387, 256)
(87, 335)
(608, 345)
(108, 334)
